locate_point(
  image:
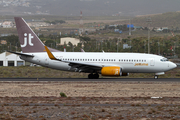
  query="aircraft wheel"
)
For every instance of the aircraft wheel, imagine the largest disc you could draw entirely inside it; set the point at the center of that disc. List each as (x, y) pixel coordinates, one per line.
(155, 77)
(90, 76)
(96, 76)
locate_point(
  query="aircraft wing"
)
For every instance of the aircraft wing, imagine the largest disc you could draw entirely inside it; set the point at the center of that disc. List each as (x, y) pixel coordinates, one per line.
(22, 54)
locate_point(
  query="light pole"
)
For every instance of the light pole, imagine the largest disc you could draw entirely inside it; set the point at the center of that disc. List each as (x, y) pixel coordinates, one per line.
(101, 45)
(158, 48)
(144, 46)
(117, 44)
(149, 21)
(16, 46)
(129, 27)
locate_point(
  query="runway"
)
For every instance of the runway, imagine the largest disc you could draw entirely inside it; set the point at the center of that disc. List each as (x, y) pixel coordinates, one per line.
(94, 80)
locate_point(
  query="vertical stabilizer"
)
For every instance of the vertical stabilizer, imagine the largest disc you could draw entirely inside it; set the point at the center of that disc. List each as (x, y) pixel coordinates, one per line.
(29, 41)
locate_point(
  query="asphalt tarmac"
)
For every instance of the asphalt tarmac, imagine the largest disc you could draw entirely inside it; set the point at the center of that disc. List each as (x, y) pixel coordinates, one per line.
(95, 80)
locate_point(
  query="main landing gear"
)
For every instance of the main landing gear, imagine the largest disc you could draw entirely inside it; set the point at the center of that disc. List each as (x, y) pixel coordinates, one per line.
(93, 76)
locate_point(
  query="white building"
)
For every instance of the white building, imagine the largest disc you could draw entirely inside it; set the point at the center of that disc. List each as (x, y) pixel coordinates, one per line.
(66, 40)
(7, 24)
(126, 46)
(8, 59)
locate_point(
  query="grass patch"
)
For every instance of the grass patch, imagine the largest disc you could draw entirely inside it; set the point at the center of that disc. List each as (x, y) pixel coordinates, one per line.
(43, 72)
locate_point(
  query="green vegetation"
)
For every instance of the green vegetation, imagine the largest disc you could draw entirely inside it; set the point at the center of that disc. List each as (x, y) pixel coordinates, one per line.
(62, 94)
(42, 72)
(158, 45)
(55, 22)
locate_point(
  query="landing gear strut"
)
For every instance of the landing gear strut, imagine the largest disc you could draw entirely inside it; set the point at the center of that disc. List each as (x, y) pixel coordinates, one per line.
(93, 76)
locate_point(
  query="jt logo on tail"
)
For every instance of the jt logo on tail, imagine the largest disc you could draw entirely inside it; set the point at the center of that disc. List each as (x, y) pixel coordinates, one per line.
(30, 37)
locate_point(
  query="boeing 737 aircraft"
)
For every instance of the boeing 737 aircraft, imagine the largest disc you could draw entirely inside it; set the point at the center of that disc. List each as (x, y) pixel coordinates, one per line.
(94, 63)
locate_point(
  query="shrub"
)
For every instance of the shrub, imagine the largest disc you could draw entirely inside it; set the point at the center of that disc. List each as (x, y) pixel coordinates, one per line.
(62, 94)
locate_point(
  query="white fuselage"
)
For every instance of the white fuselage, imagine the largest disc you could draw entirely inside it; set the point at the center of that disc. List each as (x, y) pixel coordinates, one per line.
(129, 62)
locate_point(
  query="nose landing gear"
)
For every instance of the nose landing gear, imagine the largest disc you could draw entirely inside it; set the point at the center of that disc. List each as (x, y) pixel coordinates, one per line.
(156, 77)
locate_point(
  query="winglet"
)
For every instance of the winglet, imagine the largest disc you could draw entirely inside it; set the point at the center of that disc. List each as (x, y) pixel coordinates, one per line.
(51, 56)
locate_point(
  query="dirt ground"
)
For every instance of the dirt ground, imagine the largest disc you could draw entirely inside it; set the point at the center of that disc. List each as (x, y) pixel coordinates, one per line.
(90, 100)
(91, 89)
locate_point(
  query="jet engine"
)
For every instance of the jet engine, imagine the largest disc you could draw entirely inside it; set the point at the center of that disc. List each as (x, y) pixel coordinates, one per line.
(125, 74)
(111, 71)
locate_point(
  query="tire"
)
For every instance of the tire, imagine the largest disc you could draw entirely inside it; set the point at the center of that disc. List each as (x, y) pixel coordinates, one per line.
(96, 76)
(90, 76)
(93, 76)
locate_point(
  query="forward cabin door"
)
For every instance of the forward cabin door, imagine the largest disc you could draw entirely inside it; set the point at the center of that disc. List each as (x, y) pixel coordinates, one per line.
(152, 62)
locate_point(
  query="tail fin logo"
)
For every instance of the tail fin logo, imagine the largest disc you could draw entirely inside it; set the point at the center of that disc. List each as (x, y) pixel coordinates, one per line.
(29, 40)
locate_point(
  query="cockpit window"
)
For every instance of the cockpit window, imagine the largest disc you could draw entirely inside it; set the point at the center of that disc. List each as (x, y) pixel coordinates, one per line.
(164, 60)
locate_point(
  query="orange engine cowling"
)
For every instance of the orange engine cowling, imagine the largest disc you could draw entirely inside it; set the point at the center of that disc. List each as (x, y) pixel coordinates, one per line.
(111, 71)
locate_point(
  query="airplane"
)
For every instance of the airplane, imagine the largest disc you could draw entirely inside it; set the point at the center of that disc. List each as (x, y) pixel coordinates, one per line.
(94, 63)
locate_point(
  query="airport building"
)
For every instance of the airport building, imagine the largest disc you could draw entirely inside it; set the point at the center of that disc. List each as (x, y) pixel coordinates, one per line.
(66, 40)
(9, 59)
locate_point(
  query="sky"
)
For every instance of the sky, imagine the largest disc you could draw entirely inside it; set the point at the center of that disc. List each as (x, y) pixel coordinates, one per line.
(91, 7)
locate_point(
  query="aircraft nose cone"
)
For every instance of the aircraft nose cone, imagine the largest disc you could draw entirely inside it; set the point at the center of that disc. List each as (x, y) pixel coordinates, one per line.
(173, 65)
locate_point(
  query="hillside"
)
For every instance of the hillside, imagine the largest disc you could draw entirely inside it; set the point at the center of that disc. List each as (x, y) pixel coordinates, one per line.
(170, 19)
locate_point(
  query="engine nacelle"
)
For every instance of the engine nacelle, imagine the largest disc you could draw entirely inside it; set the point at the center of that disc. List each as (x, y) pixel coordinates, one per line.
(125, 74)
(111, 71)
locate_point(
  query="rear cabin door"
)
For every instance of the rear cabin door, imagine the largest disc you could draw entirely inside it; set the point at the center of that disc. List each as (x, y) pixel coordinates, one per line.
(46, 61)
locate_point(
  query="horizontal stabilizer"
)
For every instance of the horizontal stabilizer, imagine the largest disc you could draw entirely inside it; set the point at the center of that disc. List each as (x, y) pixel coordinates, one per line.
(23, 54)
